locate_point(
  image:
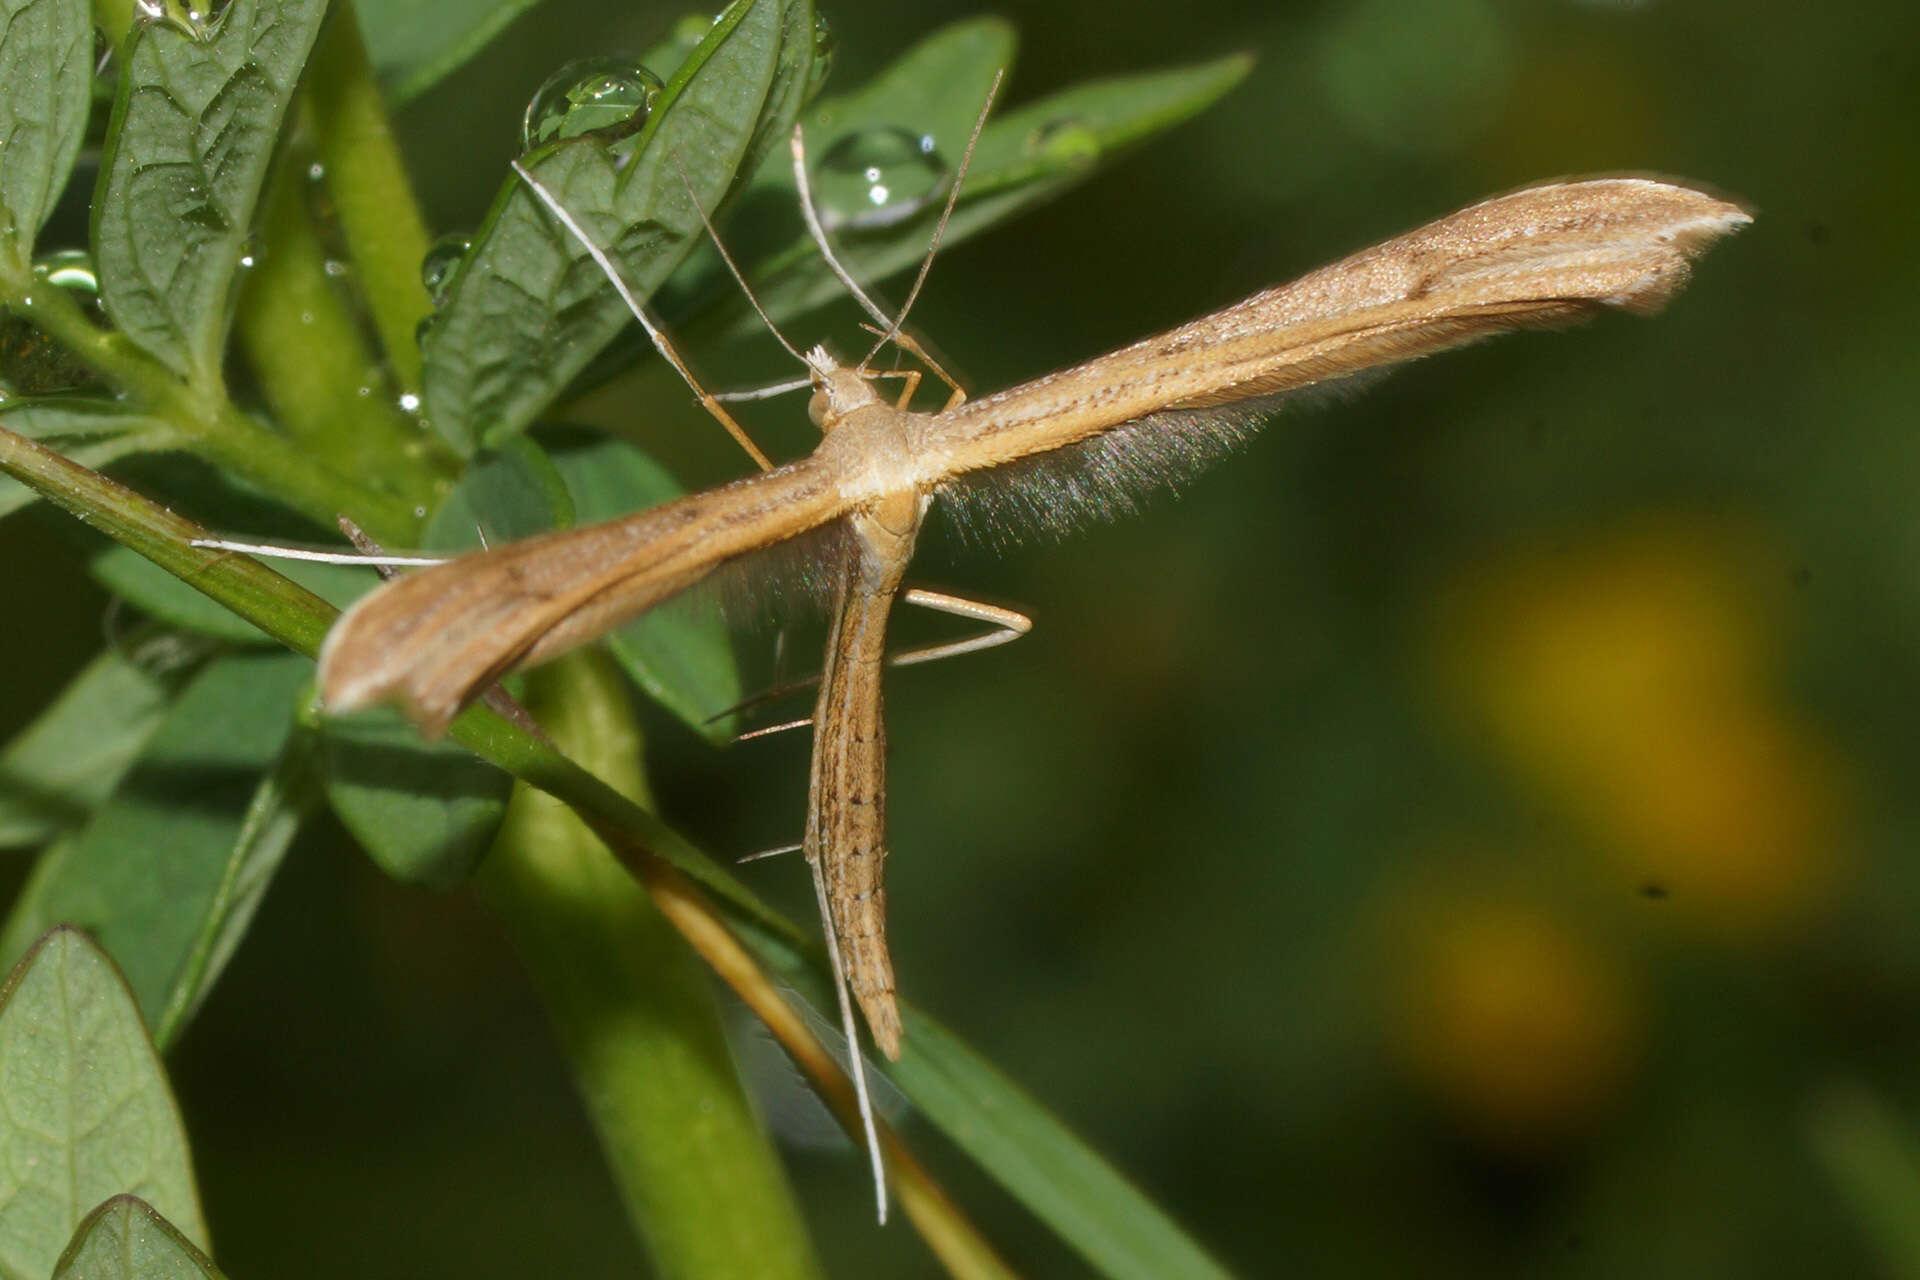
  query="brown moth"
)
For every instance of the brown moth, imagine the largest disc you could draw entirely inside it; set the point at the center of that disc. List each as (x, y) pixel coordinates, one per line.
(1078, 442)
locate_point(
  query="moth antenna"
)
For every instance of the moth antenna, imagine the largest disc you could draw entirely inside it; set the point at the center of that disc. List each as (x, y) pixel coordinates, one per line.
(819, 233)
(940, 228)
(277, 551)
(654, 333)
(767, 392)
(738, 277)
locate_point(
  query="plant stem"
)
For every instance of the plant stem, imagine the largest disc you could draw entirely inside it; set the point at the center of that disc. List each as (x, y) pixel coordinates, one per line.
(215, 429)
(635, 1013)
(326, 389)
(379, 216)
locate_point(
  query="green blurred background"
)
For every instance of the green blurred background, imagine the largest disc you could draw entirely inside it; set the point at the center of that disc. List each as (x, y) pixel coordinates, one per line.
(1469, 833)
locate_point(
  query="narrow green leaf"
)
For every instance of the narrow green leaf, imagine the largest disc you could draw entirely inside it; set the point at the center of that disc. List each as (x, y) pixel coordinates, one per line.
(682, 657)
(416, 45)
(1022, 1145)
(1023, 158)
(91, 432)
(46, 64)
(127, 1239)
(1040, 1162)
(88, 1113)
(527, 308)
(193, 131)
(1872, 1157)
(58, 770)
(153, 874)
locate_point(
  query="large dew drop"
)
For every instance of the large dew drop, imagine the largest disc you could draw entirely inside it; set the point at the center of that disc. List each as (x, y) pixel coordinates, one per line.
(602, 96)
(878, 176)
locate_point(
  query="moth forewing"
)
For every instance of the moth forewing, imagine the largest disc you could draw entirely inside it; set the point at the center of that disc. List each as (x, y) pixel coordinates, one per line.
(1539, 256)
(434, 640)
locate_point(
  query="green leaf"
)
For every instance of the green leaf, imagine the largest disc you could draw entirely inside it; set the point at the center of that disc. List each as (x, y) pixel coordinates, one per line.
(425, 812)
(91, 432)
(416, 45)
(46, 64)
(178, 853)
(127, 1239)
(504, 496)
(1872, 1157)
(1064, 1182)
(193, 131)
(59, 769)
(1021, 1144)
(88, 1113)
(527, 308)
(1023, 158)
(682, 657)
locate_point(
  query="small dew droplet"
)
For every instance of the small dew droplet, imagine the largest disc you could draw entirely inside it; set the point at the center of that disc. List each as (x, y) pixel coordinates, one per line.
(878, 176)
(409, 402)
(336, 268)
(608, 96)
(443, 259)
(824, 41)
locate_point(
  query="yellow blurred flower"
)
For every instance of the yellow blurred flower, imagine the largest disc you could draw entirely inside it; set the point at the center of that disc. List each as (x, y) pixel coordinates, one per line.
(1518, 1027)
(1632, 679)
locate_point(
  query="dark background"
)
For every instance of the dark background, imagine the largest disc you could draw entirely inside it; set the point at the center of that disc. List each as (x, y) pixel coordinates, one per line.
(1470, 833)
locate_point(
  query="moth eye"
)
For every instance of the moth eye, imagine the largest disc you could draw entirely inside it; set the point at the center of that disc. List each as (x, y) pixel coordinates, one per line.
(818, 408)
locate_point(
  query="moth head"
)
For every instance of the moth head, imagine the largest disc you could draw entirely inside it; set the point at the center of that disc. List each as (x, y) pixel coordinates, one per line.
(837, 390)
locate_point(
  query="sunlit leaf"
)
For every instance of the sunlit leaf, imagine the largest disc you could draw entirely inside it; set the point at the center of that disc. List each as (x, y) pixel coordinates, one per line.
(88, 1113)
(58, 769)
(527, 308)
(193, 130)
(46, 64)
(153, 875)
(127, 1239)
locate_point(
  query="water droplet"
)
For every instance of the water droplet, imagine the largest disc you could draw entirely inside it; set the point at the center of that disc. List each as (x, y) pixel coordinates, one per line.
(409, 402)
(31, 363)
(823, 44)
(593, 96)
(878, 176)
(363, 391)
(72, 270)
(1071, 141)
(306, 317)
(336, 268)
(443, 259)
(419, 513)
(316, 172)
